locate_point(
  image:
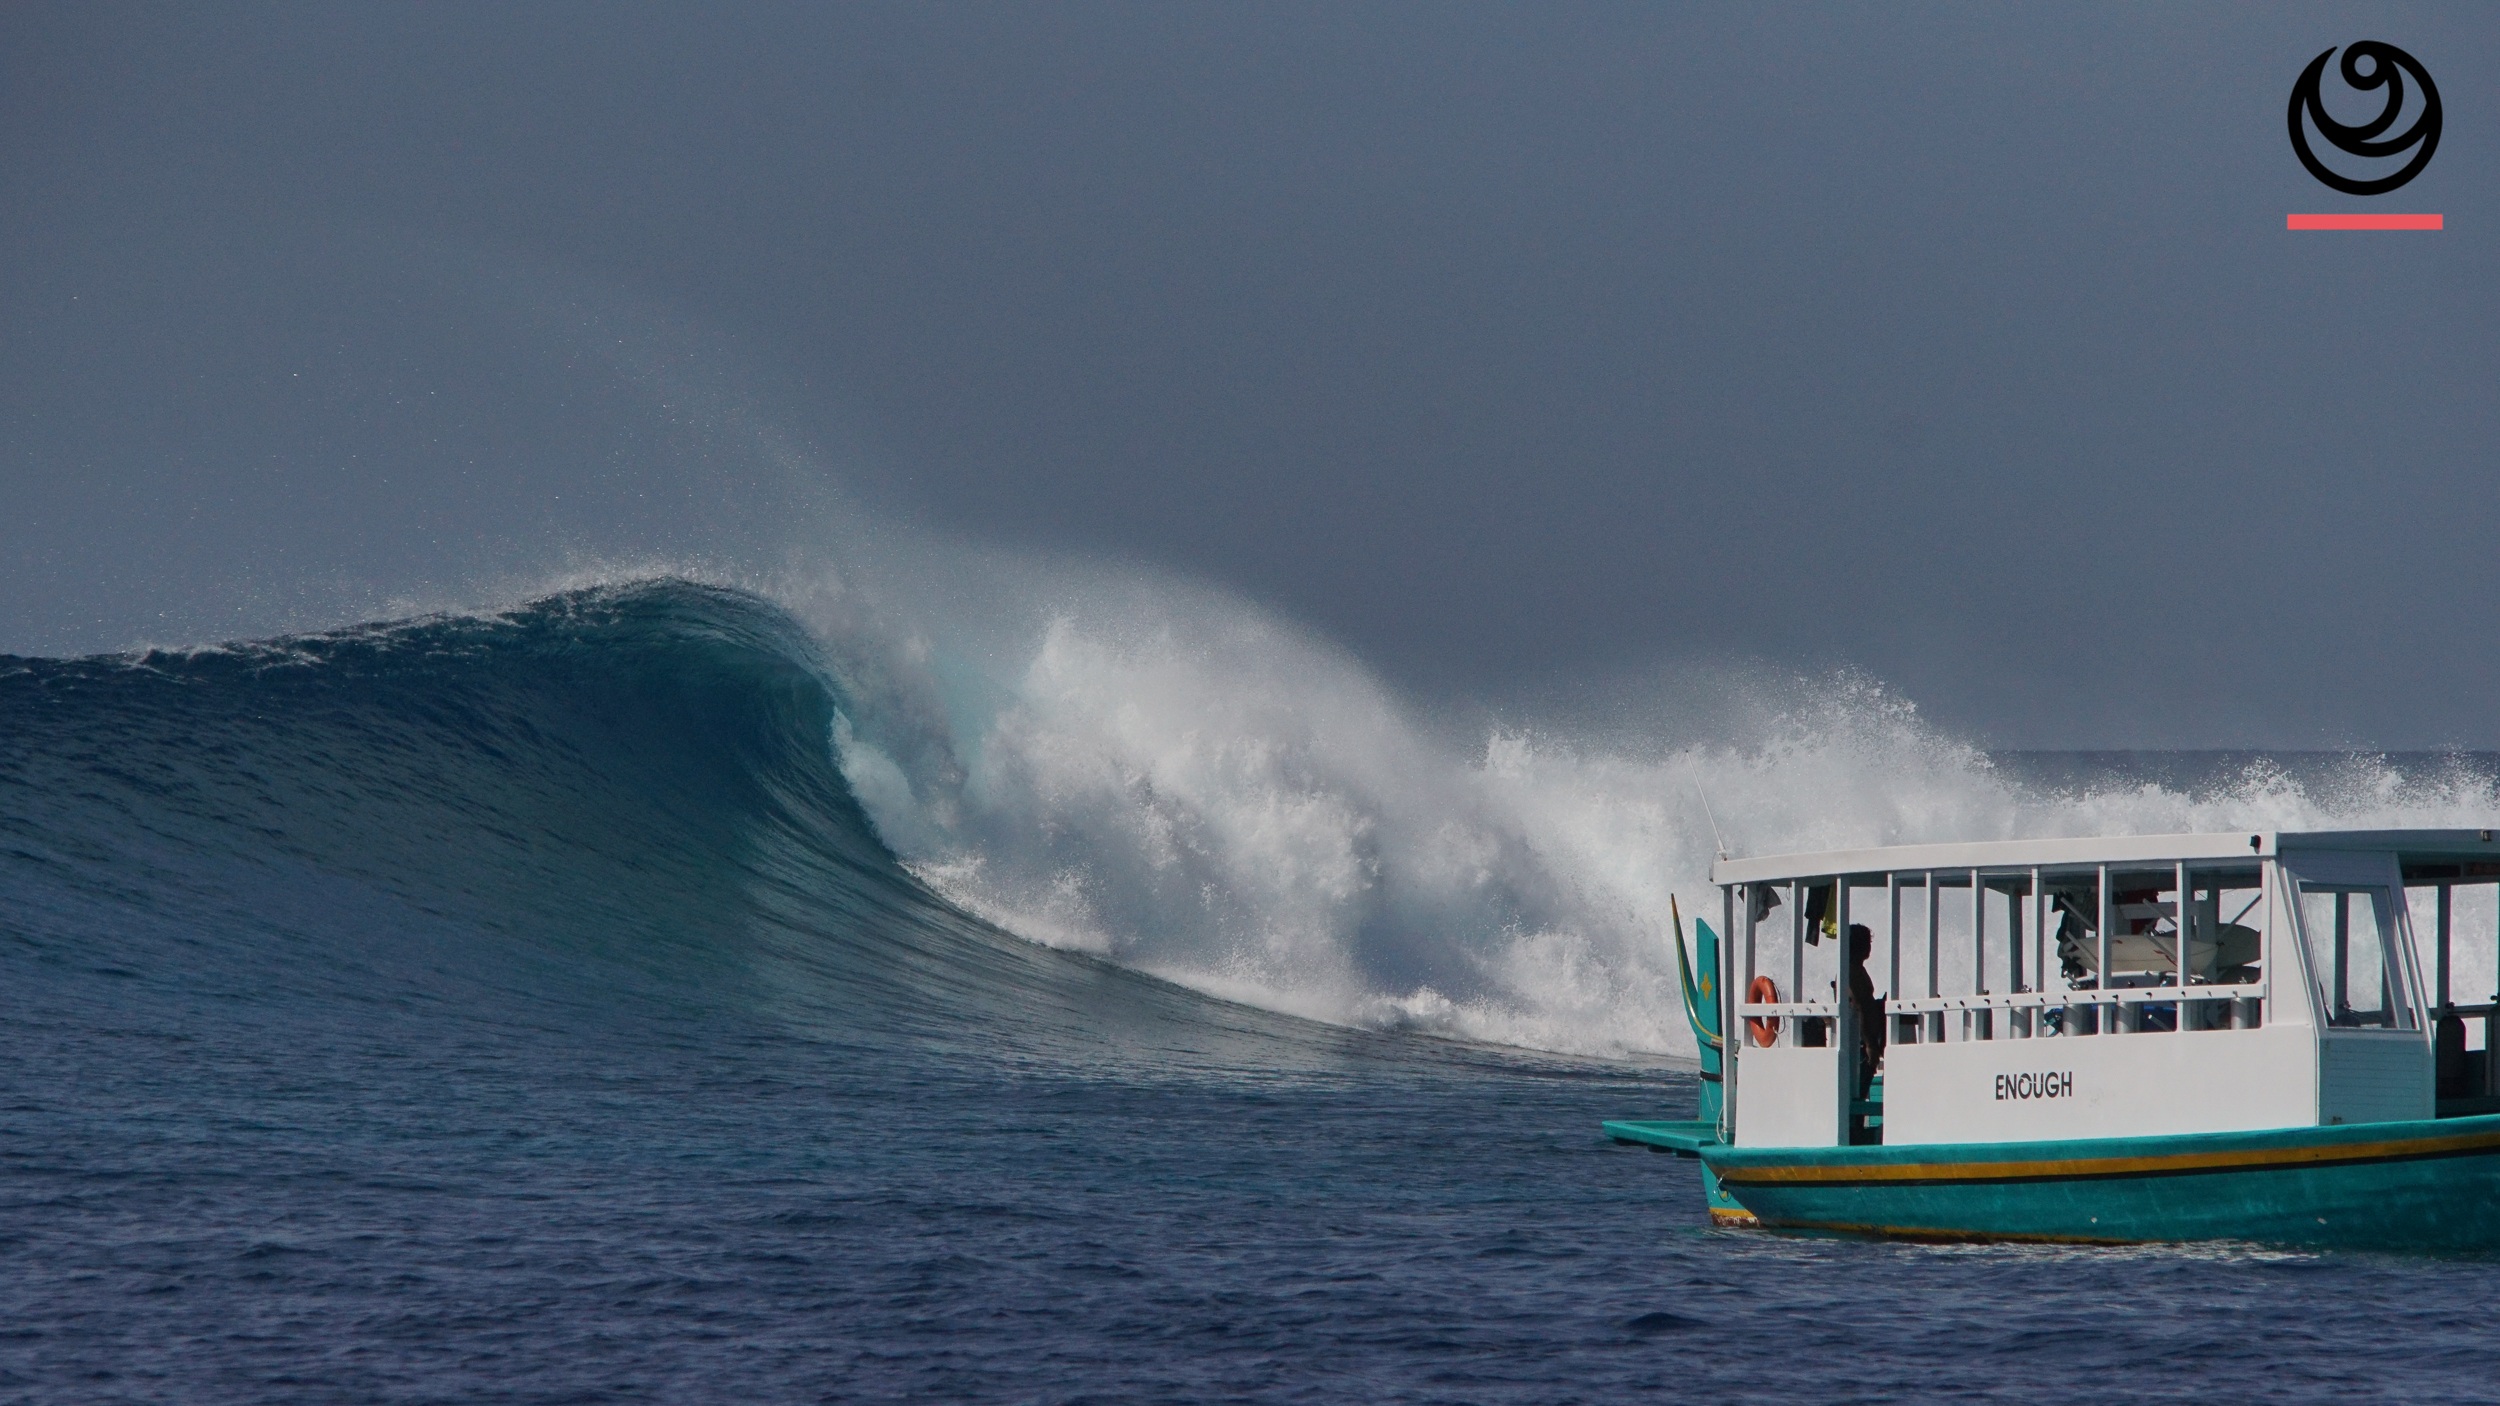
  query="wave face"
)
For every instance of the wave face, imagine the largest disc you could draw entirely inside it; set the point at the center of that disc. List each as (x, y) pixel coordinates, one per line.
(615, 795)
(874, 822)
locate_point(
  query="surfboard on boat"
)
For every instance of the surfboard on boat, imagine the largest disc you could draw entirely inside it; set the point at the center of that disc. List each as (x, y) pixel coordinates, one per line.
(2041, 1063)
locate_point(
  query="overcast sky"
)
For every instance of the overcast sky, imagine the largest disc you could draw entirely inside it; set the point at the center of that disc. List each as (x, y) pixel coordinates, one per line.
(1505, 345)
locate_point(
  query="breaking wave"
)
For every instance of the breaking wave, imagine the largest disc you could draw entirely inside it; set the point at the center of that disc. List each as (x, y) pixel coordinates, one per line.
(1146, 776)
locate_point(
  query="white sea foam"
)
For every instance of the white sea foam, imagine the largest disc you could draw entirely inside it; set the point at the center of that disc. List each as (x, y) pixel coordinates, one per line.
(1152, 771)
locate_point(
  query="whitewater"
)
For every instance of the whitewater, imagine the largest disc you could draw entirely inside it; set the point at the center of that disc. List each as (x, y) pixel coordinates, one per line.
(1156, 772)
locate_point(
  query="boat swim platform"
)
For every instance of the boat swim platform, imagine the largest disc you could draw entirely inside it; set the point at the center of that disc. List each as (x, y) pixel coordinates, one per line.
(1685, 1138)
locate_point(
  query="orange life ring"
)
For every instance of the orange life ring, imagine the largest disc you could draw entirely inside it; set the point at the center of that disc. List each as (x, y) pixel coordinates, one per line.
(1765, 1029)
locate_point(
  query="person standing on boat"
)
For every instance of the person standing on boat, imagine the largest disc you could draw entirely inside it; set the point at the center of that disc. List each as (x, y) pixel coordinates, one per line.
(1867, 1010)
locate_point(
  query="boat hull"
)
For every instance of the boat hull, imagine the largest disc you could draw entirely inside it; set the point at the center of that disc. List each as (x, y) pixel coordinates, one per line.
(2432, 1185)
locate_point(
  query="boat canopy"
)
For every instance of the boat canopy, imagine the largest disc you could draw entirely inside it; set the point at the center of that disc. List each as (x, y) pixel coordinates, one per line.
(2423, 850)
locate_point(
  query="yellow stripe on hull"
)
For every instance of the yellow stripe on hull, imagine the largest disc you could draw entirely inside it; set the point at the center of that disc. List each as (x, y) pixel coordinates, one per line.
(2078, 1167)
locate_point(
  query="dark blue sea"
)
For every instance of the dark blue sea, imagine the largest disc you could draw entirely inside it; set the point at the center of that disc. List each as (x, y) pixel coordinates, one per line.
(523, 1008)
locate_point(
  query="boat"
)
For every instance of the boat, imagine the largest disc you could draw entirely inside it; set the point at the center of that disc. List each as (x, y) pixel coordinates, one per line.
(2120, 1039)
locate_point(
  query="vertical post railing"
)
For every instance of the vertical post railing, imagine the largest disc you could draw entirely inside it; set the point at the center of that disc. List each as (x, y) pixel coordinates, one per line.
(2445, 932)
(1793, 1031)
(2343, 960)
(1731, 1028)
(2105, 1016)
(2040, 946)
(1935, 953)
(2018, 1023)
(2447, 910)
(2387, 967)
(2269, 889)
(1892, 978)
(1753, 922)
(1977, 1023)
(2185, 924)
(1844, 1017)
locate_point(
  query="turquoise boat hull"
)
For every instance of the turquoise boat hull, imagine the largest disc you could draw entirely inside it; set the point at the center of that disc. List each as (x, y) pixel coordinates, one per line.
(2431, 1186)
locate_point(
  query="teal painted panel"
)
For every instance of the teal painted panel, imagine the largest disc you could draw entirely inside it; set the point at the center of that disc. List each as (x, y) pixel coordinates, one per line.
(1700, 984)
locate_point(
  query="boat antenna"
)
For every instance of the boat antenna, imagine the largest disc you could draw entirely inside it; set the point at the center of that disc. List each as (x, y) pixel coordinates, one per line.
(1715, 837)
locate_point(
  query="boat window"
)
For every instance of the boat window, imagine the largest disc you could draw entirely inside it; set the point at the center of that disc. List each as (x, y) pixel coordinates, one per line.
(2350, 930)
(2143, 939)
(2226, 918)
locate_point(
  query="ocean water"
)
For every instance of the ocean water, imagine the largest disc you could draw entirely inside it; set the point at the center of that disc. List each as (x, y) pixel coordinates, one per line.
(660, 991)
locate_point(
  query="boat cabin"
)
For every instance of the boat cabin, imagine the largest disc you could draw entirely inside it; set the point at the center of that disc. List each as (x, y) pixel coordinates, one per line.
(2038, 990)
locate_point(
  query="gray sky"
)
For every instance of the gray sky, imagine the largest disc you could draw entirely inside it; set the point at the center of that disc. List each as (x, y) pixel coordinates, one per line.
(1506, 345)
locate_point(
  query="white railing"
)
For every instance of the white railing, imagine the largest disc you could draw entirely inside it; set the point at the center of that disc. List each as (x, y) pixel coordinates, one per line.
(1791, 1008)
(1917, 1006)
(2058, 1000)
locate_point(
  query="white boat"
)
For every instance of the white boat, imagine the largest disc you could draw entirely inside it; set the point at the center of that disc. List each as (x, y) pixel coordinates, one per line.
(2040, 1063)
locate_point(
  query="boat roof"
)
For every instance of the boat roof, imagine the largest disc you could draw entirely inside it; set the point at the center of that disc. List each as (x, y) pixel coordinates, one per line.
(2415, 849)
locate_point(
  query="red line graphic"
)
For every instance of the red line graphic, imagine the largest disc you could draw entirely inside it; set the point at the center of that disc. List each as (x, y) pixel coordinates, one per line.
(2365, 222)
